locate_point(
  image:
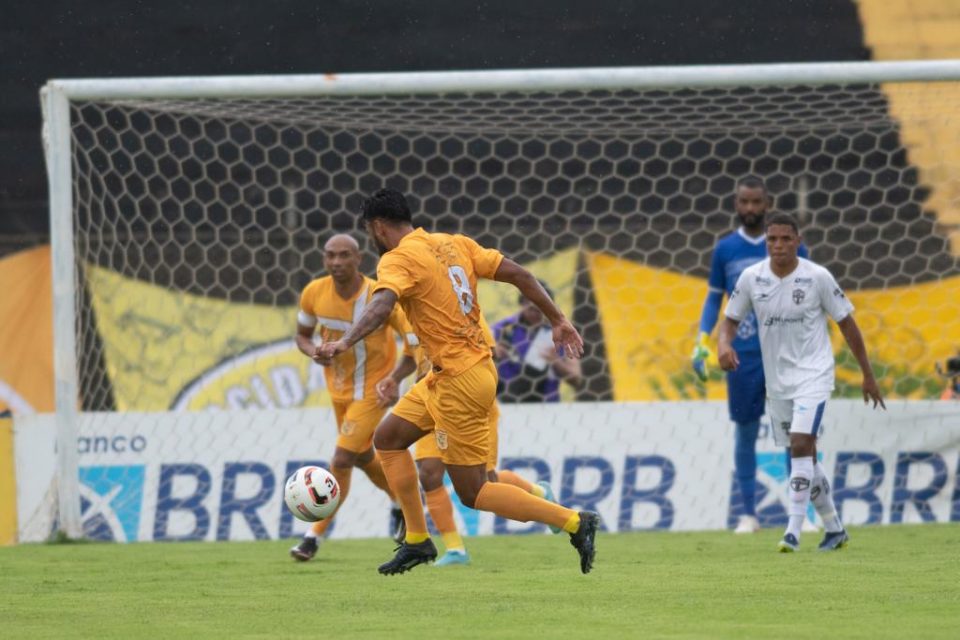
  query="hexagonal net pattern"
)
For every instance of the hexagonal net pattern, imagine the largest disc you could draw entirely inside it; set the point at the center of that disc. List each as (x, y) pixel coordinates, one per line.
(230, 201)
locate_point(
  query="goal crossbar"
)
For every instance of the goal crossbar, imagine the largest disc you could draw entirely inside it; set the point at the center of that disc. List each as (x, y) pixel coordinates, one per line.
(599, 78)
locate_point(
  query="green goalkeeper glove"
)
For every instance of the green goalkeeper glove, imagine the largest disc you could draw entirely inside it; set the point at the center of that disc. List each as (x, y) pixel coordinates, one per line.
(699, 357)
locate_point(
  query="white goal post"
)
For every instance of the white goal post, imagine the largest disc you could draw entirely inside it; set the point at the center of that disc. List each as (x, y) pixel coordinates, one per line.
(699, 123)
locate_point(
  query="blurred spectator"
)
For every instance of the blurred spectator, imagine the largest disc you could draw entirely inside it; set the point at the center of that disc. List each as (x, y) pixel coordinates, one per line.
(952, 374)
(529, 366)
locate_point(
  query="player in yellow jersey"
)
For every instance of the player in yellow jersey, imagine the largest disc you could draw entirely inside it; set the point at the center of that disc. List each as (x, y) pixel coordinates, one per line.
(331, 305)
(429, 459)
(434, 277)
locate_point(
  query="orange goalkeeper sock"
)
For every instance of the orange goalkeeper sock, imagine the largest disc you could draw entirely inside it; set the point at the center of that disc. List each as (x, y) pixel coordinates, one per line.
(441, 510)
(401, 473)
(514, 503)
(374, 471)
(342, 474)
(509, 477)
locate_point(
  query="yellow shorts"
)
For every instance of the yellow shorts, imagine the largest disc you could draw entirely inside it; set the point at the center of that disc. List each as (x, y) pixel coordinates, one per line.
(459, 410)
(356, 422)
(426, 446)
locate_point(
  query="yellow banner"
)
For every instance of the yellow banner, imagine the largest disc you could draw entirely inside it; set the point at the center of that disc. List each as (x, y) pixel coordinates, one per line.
(26, 332)
(166, 349)
(8, 483)
(907, 330)
(171, 350)
(650, 319)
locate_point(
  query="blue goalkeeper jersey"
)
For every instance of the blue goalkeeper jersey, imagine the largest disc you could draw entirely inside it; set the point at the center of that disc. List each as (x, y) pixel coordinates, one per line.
(732, 254)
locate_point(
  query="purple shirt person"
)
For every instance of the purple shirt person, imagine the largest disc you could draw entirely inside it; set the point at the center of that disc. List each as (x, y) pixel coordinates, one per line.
(529, 367)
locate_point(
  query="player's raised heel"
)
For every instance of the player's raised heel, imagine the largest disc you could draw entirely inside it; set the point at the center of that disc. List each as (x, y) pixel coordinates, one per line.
(583, 539)
(549, 497)
(408, 556)
(834, 541)
(305, 550)
(789, 544)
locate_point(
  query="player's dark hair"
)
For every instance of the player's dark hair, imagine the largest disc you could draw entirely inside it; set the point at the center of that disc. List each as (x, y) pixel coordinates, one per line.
(781, 218)
(543, 284)
(386, 204)
(753, 182)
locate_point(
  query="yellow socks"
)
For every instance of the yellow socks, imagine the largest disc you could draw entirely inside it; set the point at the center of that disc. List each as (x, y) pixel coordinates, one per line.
(441, 510)
(509, 477)
(572, 524)
(374, 471)
(401, 474)
(514, 503)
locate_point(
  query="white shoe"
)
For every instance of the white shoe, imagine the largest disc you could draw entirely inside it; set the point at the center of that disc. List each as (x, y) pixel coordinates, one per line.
(747, 524)
(809, 527)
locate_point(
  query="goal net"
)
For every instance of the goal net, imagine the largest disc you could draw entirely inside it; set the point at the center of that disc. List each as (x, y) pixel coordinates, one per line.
(188, 214)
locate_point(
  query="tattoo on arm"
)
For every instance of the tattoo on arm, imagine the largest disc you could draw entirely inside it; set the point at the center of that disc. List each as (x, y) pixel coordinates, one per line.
(373, 316)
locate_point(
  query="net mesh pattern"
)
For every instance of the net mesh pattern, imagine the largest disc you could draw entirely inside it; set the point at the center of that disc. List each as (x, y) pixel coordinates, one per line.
(231, 199)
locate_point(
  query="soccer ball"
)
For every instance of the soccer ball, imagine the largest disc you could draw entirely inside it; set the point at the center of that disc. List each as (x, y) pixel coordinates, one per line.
(311, 494)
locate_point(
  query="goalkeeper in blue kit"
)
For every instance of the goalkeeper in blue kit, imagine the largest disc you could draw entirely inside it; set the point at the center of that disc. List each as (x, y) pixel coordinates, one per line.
(746, 387)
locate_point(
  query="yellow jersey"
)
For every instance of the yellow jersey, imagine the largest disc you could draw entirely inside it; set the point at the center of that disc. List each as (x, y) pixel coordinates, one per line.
(434, 276)
(414, 349)
(353, 375)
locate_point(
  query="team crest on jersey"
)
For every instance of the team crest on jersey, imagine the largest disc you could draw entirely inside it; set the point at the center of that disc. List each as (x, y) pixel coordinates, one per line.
(748, 328)
(799, 295)
(441, 439)
(348, 427)
(838, 293)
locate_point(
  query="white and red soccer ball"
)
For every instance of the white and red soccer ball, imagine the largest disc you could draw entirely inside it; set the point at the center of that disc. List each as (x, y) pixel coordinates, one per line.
(311, 494)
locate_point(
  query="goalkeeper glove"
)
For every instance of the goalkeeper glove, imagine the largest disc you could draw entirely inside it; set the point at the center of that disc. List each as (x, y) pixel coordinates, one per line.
(699, 357)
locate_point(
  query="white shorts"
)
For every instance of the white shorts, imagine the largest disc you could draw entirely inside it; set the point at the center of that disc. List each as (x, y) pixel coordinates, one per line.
(800, 415)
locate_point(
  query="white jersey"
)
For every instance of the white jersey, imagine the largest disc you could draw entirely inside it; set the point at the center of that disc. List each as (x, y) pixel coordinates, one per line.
(794, 343)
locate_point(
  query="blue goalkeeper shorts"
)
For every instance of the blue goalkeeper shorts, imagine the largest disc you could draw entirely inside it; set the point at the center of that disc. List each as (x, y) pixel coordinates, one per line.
(746, 389)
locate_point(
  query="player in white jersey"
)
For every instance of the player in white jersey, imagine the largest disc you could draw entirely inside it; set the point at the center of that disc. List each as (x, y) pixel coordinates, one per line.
(791, 298)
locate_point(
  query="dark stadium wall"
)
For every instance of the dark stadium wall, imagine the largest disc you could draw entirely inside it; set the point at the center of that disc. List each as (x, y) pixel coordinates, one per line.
(112, 39)
(117, 39)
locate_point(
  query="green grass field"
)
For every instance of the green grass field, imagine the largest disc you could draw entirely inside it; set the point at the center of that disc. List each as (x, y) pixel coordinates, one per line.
(891, 582)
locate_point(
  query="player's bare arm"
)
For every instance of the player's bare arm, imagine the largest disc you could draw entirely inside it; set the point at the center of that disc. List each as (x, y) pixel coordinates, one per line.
(304, 339)
(725, 351)
(565, 336)
(376, 313)
(851, 333)
(388, 389)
